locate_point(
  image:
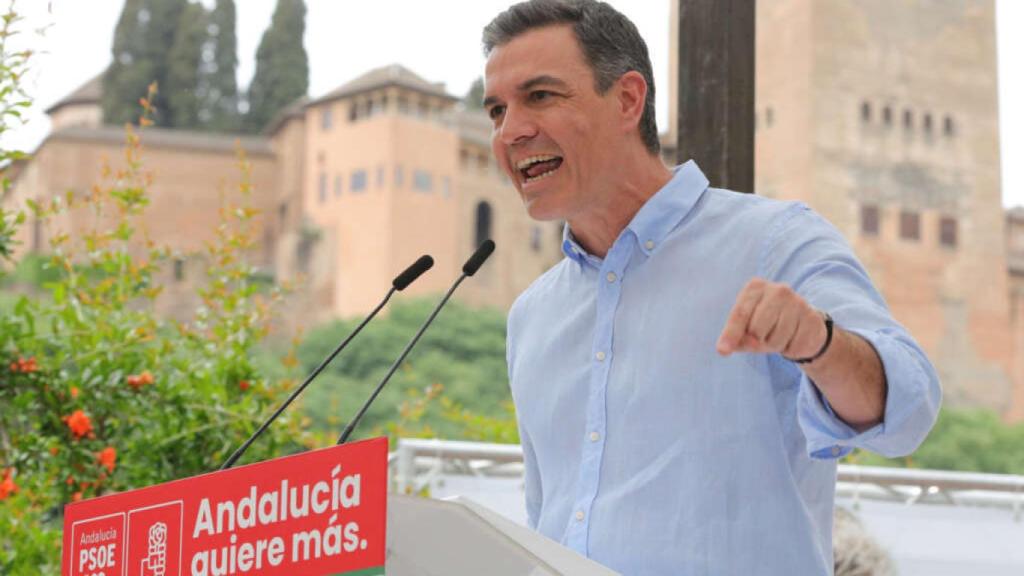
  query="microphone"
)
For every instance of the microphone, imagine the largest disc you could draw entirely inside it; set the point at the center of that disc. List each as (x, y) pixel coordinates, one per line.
(468, 269)
(477, 259)
(400, 283)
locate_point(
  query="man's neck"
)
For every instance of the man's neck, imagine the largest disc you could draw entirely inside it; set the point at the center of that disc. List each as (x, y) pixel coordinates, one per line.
(597, 228)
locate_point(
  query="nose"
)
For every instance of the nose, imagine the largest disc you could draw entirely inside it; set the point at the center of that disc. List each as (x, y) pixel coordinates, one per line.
(516, 127)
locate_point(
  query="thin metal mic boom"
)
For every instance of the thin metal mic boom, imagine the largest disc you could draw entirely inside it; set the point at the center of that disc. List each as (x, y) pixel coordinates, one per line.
(470, 268)
(400, 282)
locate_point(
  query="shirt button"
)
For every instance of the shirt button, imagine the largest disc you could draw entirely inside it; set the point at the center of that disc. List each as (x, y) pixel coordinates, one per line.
(600, 356)
(611, 276)
(835, 450)
(649, 244)
(579, 515)
(594, 436)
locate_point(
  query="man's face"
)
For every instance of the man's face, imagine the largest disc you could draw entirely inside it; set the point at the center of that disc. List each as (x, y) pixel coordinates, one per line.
(553, 134)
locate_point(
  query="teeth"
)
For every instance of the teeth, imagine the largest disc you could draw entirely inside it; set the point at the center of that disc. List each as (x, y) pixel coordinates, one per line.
(526, 162)
(541, 176)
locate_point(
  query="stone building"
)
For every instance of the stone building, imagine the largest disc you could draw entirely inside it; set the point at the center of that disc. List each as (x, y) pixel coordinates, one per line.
(352, 187)
(883, 116)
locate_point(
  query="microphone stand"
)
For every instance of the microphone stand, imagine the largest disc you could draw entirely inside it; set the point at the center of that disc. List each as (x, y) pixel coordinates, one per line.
(468, 269)
(400, 282)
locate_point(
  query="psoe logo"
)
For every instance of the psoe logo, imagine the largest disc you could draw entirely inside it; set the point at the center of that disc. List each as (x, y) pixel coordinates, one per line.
(155, 563)
(154, 540)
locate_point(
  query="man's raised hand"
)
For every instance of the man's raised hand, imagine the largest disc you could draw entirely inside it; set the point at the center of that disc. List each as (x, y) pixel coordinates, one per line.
(771, 317)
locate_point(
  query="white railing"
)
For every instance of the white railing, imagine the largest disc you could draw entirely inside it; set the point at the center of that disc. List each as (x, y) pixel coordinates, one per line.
(418, 462)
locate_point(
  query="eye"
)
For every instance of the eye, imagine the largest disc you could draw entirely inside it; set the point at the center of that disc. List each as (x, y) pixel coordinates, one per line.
(539, 95)
(495, 111)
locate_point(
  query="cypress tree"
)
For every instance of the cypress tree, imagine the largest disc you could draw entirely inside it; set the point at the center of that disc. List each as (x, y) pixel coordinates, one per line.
(144, 32)
(474, 99)
(184, 60)
(129, 73)
(282, 68)
(218, 88)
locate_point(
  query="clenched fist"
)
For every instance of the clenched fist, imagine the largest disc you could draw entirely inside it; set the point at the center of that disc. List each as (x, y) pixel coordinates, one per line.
(771, 317)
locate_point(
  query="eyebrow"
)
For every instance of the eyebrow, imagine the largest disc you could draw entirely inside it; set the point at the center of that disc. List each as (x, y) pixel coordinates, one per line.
(542, 80)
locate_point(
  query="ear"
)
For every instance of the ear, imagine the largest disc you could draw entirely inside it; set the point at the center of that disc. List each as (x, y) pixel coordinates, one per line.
(631, 92)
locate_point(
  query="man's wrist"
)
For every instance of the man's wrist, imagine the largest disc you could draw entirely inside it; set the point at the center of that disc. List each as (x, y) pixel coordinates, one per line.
(829, 329)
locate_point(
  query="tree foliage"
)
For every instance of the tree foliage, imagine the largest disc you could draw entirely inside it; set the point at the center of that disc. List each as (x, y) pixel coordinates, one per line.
(454, 384)
(189, 51)
(282, 67)
(13, 102)
(218, 88)
(474, 98)
(184, 61)
(144, 33)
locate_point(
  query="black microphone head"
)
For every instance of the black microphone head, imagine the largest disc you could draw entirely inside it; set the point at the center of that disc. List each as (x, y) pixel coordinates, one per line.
(478, 258)
(410, 274)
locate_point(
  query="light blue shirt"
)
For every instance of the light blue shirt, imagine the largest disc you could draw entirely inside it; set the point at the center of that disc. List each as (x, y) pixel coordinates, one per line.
(650, 453)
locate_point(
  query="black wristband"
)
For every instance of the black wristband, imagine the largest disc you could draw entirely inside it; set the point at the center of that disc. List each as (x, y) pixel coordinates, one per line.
(824, 347)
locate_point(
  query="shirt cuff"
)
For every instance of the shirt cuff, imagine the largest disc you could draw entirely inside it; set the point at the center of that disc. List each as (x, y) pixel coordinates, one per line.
(831, 438)
(828, 436)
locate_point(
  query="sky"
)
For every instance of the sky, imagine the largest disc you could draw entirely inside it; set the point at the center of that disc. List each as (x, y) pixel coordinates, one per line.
(437, 39)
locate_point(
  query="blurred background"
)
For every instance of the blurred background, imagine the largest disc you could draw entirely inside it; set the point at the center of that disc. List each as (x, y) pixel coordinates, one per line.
(295, 155)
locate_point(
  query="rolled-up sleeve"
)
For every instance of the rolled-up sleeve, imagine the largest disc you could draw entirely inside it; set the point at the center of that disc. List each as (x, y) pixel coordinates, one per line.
(806, 252)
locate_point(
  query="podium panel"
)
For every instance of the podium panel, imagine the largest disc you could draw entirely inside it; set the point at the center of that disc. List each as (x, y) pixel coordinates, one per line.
(461, 538)
(316, 513)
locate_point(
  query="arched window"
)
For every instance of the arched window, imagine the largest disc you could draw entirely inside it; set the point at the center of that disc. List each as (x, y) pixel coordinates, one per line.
(947, 126)
(484, 216)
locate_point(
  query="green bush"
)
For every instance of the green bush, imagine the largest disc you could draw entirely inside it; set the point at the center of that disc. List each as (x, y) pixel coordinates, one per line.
(454, 384)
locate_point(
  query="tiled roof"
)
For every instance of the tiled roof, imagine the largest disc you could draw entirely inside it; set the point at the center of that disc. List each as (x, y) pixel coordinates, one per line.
(393, 75)
(295, 109)
(167, 138)
(88, 93)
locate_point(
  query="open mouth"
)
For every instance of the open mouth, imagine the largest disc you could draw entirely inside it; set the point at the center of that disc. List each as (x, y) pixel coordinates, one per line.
(537, 168)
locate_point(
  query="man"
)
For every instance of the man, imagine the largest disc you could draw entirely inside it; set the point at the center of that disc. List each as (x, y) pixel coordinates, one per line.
(682, 389)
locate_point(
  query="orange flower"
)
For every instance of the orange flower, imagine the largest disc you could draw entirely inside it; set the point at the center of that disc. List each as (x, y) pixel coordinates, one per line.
(107, 458)
(244, 385)
(79, 424)
(24, 365)
(69, 480)
(74, 392)
(7, 486)
(76, 496)
(137, 381)
(54, 450)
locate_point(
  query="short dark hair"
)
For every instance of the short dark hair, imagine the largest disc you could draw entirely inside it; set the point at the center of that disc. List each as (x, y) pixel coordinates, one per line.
(609, 41)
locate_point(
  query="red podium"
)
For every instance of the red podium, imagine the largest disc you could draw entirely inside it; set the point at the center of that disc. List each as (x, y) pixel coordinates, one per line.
(321, 512)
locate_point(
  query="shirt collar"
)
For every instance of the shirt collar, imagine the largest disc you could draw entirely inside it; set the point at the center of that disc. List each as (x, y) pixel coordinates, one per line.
(658, 216)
